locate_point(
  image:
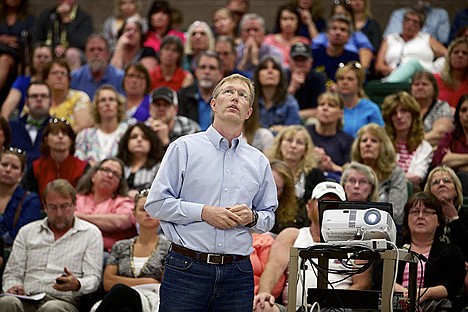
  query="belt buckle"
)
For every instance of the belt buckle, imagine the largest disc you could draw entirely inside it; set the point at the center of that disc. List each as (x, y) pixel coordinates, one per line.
(219, 261)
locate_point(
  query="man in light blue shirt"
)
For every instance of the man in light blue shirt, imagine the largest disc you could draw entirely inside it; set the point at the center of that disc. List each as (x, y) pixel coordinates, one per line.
(437, 21)
(211, 190)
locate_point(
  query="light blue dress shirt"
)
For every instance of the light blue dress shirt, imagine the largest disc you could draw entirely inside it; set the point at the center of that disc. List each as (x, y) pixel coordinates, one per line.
(201, 169)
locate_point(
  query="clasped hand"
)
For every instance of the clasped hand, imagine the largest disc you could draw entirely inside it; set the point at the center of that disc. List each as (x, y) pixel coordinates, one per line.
(226, 218)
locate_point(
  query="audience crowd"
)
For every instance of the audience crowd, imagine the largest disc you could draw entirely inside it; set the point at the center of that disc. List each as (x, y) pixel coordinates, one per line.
(86, 119)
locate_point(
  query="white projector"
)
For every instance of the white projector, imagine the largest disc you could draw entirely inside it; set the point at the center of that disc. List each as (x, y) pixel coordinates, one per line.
(357, 224)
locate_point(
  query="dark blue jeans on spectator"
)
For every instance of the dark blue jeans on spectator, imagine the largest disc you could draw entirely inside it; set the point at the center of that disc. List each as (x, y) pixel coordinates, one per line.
(192, 285)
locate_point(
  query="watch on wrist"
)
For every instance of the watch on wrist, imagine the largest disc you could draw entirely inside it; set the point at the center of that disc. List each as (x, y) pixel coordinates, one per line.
(254, 219)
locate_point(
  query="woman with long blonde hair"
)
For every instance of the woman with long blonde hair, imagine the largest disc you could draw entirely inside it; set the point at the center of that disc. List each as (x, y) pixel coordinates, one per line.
(294, 146)
(374, 148)
(404, 126)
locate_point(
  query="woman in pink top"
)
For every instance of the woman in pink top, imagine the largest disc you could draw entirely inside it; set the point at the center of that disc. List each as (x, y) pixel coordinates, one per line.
(160, 25)
(453, 79)
(102, 200)
(288, 23)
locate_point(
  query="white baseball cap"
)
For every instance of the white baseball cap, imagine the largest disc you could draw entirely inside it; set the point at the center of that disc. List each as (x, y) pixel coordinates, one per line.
(328, 188)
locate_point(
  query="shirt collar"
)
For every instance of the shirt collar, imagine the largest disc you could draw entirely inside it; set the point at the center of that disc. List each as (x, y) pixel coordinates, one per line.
(220, 142)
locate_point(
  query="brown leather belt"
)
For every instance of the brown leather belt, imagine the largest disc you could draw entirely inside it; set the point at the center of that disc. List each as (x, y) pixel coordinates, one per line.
(206, 257)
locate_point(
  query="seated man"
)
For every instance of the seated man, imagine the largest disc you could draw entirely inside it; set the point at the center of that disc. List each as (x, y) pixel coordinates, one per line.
(305, 84)
(252, 49)
(60, 255)
(164, 120)
(278, 260)
(328, 59)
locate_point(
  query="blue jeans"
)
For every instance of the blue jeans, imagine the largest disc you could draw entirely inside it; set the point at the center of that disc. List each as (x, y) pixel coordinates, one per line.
(192, 285)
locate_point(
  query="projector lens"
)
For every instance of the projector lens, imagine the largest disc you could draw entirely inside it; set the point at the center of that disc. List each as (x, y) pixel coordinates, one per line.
(372, 216)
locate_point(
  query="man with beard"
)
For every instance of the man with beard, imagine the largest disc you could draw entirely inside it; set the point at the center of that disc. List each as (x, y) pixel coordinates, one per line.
(194, 100)
(97, 72)
(60, 255)
(164, 120)
(278, 260)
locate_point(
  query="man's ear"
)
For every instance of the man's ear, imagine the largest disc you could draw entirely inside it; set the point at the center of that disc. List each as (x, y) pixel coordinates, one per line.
(249, 113)
(213, 105)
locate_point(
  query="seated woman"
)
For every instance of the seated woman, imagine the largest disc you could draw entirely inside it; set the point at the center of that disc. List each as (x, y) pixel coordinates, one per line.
(223, 24)
(441, 276)
(137, 86)
(122, 11)
(358, 109)
(17, 206)
(135, 267)
(14, 21)
(102, 200)
(57, 160)
(141, 151)
(453, 79)
(404, 126)
(277, 107)
(437, 115)
(160, 25)
(401, 55)
(73, 105)
(169, 71)
(363, 22)
(199, 38)
(360, 183)
(254, 133)
(101, 141)
(14, 102)
(332, 144)
(286, 192)
(286, 32)
(294, 146)
(129, 48)
(373, 147)
(453, 147)
(444, 184)
(312, 19)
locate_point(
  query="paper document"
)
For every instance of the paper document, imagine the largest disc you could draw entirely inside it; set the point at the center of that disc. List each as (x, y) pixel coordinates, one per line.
(35, 297)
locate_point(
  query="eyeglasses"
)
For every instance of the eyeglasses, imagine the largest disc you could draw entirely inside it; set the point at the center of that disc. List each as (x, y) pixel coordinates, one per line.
(35, 96)
(15, 150)
(114, 174)
(242, 94)
(62, 207)
(356, 65)
(353, 181)
(445, 180)
(57, 120)
(425, 212)
(141, 194)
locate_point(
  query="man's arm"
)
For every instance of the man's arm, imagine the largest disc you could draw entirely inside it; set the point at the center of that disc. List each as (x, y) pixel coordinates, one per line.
(15, 270)
(109, 222)
(92, 263)
(278, 262)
